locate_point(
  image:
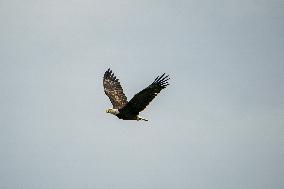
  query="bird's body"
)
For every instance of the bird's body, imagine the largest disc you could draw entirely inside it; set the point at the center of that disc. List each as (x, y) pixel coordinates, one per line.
(130, 110)
(122, 115)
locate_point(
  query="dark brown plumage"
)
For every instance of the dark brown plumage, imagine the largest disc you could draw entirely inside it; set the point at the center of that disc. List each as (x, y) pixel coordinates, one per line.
(130, 110)
(114, 90)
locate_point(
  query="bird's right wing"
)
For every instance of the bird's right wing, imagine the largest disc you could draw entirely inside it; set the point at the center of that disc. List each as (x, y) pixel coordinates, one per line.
(113, 90)
(142, 99)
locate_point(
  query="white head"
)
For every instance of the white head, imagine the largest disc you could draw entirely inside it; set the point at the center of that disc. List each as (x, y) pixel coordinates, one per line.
(112, 111)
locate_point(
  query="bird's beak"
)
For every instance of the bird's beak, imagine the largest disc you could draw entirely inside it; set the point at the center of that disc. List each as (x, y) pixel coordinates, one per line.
(106, 110)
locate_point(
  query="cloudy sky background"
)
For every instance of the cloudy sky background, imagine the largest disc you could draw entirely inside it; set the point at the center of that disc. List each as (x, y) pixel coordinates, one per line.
(219, 124)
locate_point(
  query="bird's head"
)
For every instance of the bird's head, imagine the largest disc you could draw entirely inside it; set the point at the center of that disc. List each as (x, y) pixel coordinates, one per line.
(112, 111)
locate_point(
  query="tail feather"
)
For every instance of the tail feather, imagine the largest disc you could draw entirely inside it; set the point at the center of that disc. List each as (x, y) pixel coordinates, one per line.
(141, 118)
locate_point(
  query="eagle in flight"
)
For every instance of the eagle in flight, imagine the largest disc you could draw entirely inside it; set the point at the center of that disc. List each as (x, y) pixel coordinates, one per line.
(130, 110)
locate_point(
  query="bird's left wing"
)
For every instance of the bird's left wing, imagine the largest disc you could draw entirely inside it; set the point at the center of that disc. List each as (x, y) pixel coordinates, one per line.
(144, 97)
(113, 90)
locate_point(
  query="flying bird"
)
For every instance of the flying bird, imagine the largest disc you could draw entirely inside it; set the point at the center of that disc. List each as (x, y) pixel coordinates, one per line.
(130, 110)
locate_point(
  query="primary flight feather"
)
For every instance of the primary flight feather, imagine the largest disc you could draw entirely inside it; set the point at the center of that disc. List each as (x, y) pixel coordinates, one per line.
(130, 110)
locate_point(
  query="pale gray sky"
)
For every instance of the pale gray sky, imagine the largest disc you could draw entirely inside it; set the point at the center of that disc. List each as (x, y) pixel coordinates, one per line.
(219, 124)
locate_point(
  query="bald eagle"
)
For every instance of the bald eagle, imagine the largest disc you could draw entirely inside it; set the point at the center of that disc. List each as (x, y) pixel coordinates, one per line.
(130, 110)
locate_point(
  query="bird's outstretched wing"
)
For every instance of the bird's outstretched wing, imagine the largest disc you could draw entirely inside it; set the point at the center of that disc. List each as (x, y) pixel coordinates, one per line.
(113, 90)
(144, 97)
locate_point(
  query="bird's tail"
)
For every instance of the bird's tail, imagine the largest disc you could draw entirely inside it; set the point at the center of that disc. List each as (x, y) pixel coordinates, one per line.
(141, 118)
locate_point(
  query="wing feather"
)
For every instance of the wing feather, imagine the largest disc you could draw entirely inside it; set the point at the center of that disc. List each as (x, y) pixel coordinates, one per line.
(113, 90)
(142, 99)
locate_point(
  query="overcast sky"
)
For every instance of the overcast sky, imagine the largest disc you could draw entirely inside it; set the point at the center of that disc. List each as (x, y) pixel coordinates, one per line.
(219, 125)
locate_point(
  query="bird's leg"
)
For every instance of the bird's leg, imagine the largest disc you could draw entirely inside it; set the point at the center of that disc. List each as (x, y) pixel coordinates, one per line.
(141, 118)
